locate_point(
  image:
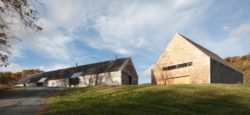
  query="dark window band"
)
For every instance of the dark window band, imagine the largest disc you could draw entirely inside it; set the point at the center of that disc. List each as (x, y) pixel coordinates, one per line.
(178, 66)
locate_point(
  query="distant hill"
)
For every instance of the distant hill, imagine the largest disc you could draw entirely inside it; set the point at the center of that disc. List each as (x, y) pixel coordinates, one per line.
(242, 63)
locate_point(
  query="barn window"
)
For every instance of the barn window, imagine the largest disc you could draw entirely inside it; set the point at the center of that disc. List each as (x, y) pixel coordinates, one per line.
(182, 65)
(42, 79)
(77, 74)
(189, 64)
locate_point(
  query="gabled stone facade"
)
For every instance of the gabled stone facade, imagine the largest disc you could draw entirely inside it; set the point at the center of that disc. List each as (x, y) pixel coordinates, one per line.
(185, 62)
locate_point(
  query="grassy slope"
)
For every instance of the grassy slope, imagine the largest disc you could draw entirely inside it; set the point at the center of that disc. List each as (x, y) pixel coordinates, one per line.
(3, 86)
(6, 89)
(149, 99)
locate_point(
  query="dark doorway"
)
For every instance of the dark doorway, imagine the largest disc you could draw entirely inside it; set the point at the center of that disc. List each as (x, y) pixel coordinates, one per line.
(130, 80)
(39, 84)
(74, 81)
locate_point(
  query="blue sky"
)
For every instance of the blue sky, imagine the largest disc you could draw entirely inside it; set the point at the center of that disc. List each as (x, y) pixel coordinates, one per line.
(88, 31)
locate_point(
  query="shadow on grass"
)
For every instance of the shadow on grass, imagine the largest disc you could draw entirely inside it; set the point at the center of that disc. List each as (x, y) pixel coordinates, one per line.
(133, 100)
(29, 92)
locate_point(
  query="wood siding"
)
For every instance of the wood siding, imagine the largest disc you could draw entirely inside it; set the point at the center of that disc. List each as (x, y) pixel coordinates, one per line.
(181, 51)
(205, 69)
(223, 74)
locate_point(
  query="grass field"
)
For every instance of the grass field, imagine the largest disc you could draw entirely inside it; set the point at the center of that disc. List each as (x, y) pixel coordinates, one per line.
(2, 86)
(150, 99)
(6, 89)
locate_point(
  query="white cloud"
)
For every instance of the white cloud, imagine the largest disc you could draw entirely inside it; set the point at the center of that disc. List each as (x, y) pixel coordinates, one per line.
(138, 25)
(53, 67)
(13, 67)
(63, 14)
(55, 46)
(241, 32)
(124, 27)
(57, 37)
(127, 27)
(237, 42)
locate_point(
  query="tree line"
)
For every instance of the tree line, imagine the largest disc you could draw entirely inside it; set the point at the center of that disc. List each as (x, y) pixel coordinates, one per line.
(12, 77)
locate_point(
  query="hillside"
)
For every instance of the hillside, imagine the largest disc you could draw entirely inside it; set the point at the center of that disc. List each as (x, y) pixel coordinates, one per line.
(243, 64)
(151, 99)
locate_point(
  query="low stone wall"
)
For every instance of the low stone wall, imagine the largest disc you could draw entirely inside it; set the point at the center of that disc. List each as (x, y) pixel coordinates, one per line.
(58, 83)
(109, 78)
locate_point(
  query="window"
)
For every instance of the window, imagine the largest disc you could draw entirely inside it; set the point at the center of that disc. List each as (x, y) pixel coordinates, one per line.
(77, 74)
(178, 66)
(189, 64)
(42, 79)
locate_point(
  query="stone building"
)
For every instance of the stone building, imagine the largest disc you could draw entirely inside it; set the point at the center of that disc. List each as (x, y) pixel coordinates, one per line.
(114, 72)
(186, 62)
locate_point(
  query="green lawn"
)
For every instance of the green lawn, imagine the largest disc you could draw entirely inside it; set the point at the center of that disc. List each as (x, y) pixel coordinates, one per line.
(151, 99)
(3, 86)
(4, 89)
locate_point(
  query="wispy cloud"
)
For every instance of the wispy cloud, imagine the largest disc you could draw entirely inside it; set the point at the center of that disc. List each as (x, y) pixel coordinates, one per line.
(54, 46)
(13, 67)
(140, 29)
(139, 25)
(235, 43)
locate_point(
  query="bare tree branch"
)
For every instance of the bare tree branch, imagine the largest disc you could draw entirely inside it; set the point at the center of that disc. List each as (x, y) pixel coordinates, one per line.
(14, 12)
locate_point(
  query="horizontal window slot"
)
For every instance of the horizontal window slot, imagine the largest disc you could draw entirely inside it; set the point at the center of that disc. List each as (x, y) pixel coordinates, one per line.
(177, 66)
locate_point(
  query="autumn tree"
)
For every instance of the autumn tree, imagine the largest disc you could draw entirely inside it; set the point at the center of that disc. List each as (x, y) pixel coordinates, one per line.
(242, 63)
(12, 77)
(30, 71)
(16, 76)
(14, 12)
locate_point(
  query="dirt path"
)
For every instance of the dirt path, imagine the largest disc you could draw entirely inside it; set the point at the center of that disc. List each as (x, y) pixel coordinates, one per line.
(26, 101)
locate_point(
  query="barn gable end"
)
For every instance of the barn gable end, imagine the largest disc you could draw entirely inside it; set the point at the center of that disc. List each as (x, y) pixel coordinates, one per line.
(185, 62)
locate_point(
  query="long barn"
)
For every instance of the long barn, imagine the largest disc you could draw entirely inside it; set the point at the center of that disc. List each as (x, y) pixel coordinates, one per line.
(114, 72)
(186, 62)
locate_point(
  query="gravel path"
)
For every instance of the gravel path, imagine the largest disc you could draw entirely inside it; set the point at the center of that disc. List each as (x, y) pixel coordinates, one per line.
(26, 101)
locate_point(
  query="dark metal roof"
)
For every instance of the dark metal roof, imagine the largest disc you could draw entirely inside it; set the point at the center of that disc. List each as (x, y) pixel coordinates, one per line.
(27, 78)
(95, 68)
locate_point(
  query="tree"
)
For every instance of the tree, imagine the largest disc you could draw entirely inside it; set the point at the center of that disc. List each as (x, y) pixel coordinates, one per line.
(16, 76)
(12, 77)
(30, 71)
(14, 12)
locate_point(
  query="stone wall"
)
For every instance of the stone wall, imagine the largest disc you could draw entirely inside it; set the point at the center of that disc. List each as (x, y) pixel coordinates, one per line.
(181, 51)
(129, 70)
(31, 84)
(58, 83)
(224, 74)
(109, 78)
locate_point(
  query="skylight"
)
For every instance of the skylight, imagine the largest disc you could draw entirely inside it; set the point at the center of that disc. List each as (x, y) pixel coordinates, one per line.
(77, 74)
(42, 79)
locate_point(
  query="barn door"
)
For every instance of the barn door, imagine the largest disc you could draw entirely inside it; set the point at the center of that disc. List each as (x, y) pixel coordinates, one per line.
(130, 80)
(178, 80)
